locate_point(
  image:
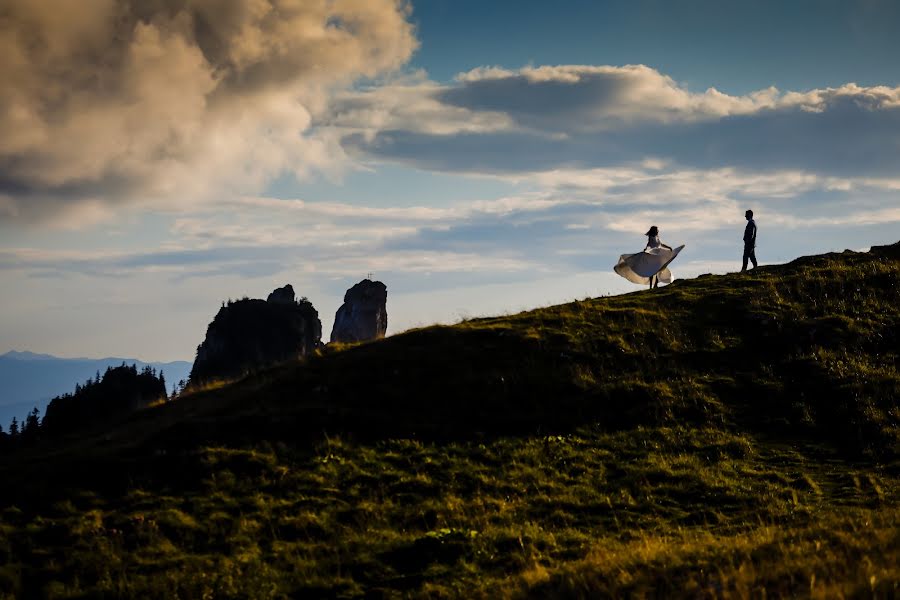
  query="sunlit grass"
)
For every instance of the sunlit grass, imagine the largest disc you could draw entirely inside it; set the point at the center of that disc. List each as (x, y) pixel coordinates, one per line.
(581, 514)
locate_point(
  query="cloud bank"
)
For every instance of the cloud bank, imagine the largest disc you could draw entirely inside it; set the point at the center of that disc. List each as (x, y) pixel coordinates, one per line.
(131, 100)
(543, 118)
(174, 101)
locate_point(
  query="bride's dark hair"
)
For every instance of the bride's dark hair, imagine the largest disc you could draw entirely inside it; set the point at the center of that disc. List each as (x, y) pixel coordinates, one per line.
(653, 231)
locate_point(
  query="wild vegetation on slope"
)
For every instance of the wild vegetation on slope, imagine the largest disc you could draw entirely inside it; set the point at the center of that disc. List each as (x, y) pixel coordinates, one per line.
(720, 437)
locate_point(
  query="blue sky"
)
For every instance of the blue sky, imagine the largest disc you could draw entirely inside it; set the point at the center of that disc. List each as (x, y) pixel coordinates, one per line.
(735, 46)
(479, 158)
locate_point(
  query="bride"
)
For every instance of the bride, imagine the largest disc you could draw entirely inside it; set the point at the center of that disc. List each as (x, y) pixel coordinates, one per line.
(649, 265)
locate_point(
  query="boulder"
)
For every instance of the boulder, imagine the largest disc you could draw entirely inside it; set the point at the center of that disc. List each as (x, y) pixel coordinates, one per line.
(250, 334)
(363, 316)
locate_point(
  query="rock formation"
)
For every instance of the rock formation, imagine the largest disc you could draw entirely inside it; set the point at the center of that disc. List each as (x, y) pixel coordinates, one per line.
(250, 334)
(282, 295)
(363, 316)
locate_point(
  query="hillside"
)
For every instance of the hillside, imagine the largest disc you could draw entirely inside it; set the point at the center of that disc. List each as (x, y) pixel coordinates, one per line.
(722, 436)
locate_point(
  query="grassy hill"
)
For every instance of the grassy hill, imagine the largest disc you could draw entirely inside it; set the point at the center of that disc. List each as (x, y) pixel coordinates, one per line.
(723, 436)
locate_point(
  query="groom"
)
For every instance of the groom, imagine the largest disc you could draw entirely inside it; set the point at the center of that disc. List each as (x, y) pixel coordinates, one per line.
(749, 241)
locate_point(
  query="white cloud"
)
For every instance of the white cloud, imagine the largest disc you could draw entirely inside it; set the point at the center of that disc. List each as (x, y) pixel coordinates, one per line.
(411, 103)
(133, 100)
(586, 97)
(656, 185)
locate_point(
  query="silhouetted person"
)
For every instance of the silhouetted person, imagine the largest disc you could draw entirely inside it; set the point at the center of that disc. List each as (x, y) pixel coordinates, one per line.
(653, 241)
(749, 241)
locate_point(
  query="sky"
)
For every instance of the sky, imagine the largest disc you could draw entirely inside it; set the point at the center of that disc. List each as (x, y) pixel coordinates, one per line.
(160, 157)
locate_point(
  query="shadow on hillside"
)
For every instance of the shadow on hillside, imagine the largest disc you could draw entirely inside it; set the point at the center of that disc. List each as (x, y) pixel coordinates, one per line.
(807, 349)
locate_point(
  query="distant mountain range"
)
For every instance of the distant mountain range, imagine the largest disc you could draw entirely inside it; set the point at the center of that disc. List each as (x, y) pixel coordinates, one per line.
(29, 380)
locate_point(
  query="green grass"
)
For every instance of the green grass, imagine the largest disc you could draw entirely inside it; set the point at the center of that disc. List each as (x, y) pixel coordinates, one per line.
(589, 512)
(721, 437)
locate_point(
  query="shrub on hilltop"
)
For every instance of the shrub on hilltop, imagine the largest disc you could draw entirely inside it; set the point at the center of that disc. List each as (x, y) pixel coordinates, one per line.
(121, 390)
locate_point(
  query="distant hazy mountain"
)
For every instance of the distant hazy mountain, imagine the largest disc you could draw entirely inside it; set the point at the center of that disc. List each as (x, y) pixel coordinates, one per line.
(28, 379)
(33, 356)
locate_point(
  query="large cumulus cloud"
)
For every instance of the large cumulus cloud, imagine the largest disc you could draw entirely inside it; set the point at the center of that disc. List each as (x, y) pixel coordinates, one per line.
(106, 100)
(598, 116)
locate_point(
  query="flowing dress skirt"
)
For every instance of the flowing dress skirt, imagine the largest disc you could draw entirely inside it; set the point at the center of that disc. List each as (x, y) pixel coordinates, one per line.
(640, 267)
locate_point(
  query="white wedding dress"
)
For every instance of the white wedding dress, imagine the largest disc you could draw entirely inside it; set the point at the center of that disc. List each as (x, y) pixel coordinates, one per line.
(640, 267)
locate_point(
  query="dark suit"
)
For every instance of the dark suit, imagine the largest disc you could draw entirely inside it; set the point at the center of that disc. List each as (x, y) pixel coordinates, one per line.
(749, 244)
